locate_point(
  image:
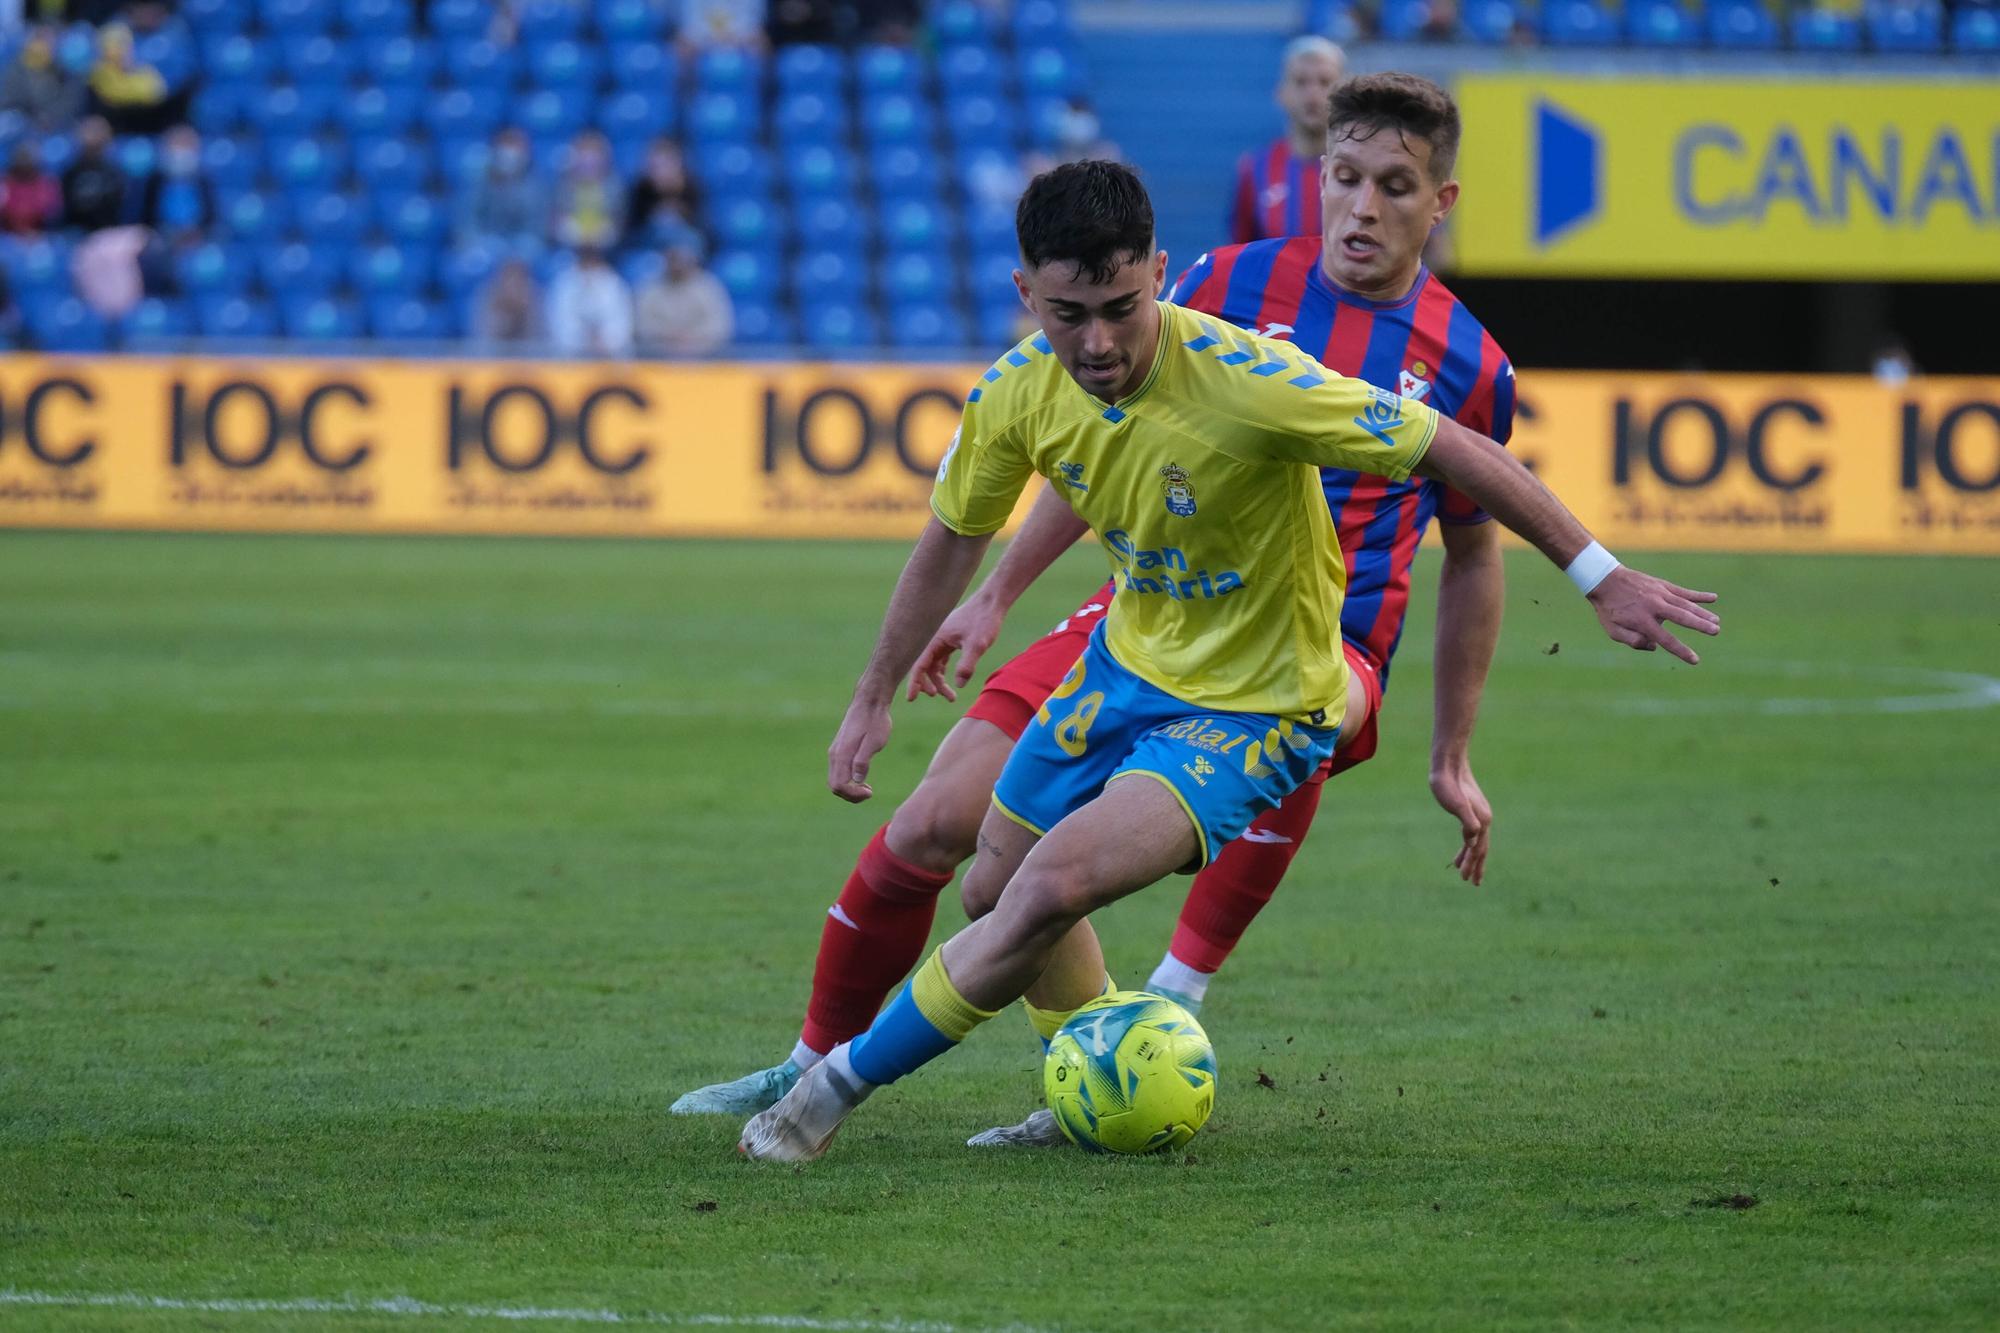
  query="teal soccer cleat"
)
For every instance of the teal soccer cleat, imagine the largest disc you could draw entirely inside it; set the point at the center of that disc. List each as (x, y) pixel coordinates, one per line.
(744, 1096)
(1187, 1002)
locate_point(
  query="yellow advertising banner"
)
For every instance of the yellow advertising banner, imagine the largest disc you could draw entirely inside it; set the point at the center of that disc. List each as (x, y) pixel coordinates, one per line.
(1706, 177)
(1701, 462)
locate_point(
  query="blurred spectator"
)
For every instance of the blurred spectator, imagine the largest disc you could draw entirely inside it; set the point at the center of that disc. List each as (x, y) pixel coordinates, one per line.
(1277, 187)
(1079, 136)
(509, 308)
(588, 209)
(30, 198)
(665, 195)
(505, 202)
(94, 187)
(10, 317)
(106, 269)
(131, 95)
(590, 308)
(1440, 22)
(1893, 364)
(40, 87)
(722, 23)
(685, 311)
(893, 21)
(178, 202)
(791, 22)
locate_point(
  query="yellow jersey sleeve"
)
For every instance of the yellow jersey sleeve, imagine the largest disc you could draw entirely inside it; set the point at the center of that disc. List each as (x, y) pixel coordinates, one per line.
(984, 470)
(1350, 423)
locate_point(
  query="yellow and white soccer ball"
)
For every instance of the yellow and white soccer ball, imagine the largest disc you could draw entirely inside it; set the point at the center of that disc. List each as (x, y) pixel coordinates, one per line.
(1130, 1072)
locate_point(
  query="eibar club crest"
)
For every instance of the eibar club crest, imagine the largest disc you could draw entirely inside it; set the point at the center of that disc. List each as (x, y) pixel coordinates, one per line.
(1180, 491)
(1415, 382)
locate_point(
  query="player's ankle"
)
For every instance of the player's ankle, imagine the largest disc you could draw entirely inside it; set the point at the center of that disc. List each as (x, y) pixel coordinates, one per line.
(1182, 978)
(805, 1057)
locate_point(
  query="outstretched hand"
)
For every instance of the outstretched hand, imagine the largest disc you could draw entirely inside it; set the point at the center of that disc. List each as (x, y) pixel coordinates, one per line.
(863, 732)
(1635, 609)
(969, 631)
(1458, 792)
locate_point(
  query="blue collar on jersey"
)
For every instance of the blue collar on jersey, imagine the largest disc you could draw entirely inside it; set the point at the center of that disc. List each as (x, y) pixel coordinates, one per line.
(1345, 297)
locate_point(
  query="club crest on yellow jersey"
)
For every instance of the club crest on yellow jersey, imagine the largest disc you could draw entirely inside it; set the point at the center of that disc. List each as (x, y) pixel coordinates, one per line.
(1180, 491)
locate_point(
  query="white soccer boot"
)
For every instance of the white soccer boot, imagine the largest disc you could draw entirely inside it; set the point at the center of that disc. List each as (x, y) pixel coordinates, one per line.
(804, 1121)
(1039, 1130)
(743, 1096)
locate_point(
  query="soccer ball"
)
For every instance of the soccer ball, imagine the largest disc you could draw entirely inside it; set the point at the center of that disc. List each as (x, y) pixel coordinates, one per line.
(1130, 1073)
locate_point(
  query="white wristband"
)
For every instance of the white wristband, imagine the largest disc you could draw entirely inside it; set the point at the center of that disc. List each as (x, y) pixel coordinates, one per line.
(1591, 567)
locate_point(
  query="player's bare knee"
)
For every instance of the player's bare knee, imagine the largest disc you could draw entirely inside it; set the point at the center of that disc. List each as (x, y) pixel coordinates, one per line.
(1058, 893)
(936, 828)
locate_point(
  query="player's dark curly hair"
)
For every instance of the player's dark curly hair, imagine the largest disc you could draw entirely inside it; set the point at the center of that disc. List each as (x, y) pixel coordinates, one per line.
(1095, 215)
(1409, 104)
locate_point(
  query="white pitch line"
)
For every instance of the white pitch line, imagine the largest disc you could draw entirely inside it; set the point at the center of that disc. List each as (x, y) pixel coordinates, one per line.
(408, 1306)
(1957, 691)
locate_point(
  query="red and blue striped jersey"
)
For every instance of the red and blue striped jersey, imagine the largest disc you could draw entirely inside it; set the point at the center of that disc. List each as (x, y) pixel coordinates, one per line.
(1276, 195)
(1426, 346)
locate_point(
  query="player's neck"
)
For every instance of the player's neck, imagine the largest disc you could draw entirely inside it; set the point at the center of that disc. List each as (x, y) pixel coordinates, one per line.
(1387, 293)
(1142, 364)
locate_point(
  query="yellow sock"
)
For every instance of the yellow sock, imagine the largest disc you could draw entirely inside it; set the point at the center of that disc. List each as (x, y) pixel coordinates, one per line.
(941, 1004)
(1048, 1022)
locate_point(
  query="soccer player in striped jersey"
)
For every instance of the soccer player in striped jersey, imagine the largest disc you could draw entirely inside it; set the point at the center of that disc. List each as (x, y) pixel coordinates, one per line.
(1277, 186)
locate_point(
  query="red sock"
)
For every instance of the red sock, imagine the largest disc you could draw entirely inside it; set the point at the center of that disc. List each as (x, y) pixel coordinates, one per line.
(874, 934)
(1233, 888)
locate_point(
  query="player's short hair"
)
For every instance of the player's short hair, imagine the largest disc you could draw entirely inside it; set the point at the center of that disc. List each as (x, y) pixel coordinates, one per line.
(1095, 215)
(1409, 104)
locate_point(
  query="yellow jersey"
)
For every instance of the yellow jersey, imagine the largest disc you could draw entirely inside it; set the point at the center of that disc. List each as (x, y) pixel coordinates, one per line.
(1201, 484)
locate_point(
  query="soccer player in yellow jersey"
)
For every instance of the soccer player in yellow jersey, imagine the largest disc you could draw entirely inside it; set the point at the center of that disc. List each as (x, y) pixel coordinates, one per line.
(1216, 683)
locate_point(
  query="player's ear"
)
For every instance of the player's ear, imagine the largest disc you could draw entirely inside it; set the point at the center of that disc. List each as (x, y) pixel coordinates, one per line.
(1159, 274)
(1021, 286)
(1447, 200)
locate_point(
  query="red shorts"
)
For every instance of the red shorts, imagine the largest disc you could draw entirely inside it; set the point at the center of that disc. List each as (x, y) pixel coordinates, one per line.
(1011, 695)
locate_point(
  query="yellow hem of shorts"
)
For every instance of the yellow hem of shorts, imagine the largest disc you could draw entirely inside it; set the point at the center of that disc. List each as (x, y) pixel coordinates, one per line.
(1038, 832)
(1200, 833)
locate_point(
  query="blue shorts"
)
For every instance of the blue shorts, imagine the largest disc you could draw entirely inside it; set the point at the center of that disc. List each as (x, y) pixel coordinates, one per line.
(1224, 768)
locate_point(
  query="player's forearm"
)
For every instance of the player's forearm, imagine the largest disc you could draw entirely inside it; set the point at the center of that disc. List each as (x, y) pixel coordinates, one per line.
(1498, 483)
(1052, 528)
(1471, 593)
(933, 580)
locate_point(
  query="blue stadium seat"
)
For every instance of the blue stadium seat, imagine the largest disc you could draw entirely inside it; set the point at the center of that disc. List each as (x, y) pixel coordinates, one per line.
(407, 319)
(299, 266)
(67, 325)
(819, 169)
(971, 69)
(927, 324)
(331, 217)
(474, 62)
(640, 267)
(306, 165)
(1043, 23)
(1743, 25)
(386, 269)
(1660, 23)
(565, 64)
(377, 18)
(137, 156)
(467, 267)
(745, 222)
(832, 223)
(621, 21)
(750, 275)
(1910, 26)
(171, 53)
(58, 151)
(412, 218)
(728, 69)
(829, 275)
(155, 318)
(237, 58)
(460, 18)
(541, 20)
(730, 169)
(1824, 30)
(882, 70)
(37, 267)
(1404, 20)
(895, 119)
(905, 170)
(235, 317)
(915, 224)
(217, 108)
(993, 275)
(808, 118)
(400, 61)
(648, 66)
(988, 174)
(213, 269)
(316, 58)
(460, 114)
(990, 228)
(821, 70)
(634, 114)
(291, 109)
(461, 157)
(1578, 23)
(917, 277)
(376, 111)
(1047, 118)
(252, 215)
(319, 319)
(218, 18)
(761, 323)
(959, 23)
(1490, 21)
(1975, 28)
(834, 326)
(549, 113)
(1048, 71)
(981, 122)
(724, 117)
(296, 17)
(232, 162)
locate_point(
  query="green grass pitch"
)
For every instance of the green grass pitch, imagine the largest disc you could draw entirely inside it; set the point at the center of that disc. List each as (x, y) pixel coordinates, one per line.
(364, 902)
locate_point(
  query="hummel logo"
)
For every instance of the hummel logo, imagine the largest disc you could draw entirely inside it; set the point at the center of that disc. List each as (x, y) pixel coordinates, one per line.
(1072, 475)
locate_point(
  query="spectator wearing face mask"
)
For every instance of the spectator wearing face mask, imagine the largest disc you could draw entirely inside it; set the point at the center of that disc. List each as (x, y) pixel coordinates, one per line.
(664, 197)
(589, 204)
(505, 202)
(30, 198)
(40, 86)
(590, 308)
(178, 203)
(94, 187)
